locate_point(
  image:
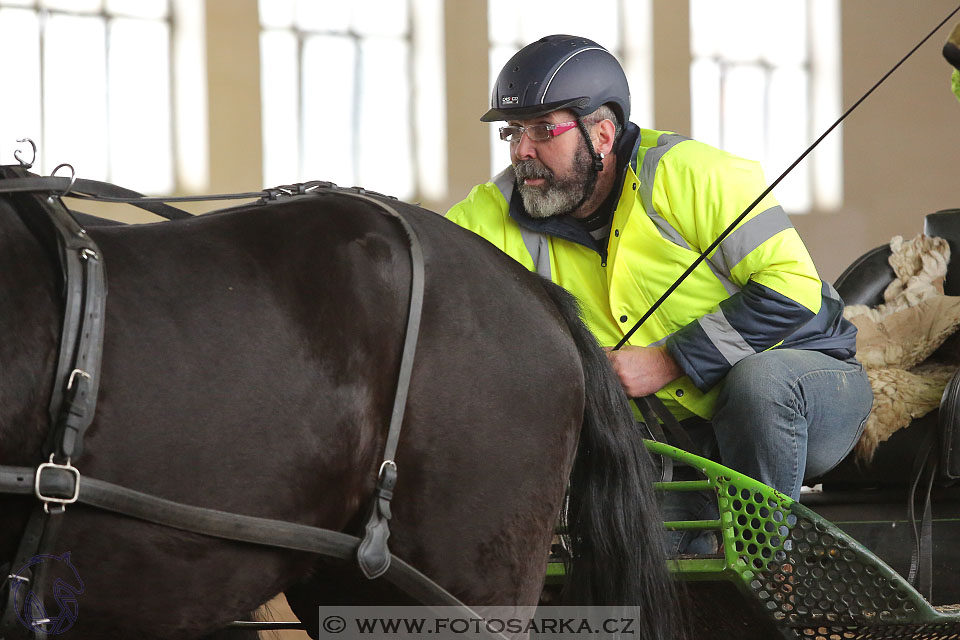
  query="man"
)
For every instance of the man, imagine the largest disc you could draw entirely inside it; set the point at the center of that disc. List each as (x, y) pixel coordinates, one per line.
(751, 352)
(951, 51)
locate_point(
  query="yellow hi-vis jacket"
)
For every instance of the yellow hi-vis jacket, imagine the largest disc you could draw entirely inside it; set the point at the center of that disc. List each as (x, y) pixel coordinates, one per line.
(758, 290)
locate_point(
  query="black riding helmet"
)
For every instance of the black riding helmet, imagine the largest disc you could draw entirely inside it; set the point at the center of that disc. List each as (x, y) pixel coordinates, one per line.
(559, 72)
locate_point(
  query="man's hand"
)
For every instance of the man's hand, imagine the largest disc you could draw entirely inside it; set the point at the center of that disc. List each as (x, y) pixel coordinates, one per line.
(644, 370)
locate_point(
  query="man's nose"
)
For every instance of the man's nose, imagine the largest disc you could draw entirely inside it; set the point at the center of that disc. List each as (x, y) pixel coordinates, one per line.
(525, 149)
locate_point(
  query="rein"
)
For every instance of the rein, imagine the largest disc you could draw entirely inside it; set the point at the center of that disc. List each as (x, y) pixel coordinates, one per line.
(73, 403)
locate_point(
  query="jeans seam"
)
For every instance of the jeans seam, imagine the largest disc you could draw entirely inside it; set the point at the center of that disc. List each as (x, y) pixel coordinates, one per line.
(793, 438)
(856, 438)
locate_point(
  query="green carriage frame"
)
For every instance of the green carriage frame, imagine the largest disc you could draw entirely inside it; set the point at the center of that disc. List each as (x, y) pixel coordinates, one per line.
(802, 573)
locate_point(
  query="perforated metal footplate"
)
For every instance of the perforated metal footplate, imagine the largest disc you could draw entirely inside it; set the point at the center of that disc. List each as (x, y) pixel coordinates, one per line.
(895, 632)
(811, 579)
(831, 588)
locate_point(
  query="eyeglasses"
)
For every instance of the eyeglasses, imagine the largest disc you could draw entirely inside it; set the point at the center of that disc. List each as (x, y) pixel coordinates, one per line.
(535, 132)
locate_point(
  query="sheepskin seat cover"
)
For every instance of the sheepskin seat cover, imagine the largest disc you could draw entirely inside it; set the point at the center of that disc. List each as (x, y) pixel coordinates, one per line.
(895, 339)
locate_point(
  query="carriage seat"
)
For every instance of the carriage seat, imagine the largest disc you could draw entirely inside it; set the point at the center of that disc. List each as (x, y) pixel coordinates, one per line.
(864, 282)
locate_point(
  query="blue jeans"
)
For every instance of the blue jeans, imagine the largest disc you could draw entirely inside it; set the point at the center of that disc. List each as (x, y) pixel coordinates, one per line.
(782, 416)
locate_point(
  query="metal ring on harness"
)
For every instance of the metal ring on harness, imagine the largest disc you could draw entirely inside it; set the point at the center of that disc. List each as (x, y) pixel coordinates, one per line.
(73, 179)
(16, 154)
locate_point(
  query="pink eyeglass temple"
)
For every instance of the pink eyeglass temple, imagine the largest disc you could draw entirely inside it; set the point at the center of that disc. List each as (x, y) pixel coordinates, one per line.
(555, 130)
(561, 127)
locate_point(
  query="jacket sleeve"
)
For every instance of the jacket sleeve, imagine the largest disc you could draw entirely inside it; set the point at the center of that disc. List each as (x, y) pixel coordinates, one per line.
(779, 289)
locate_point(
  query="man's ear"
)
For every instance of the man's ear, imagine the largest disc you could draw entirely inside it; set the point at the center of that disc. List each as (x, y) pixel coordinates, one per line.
(605, 132)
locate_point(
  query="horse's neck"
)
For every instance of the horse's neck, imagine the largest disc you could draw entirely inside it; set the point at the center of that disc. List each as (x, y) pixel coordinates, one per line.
(30, 311)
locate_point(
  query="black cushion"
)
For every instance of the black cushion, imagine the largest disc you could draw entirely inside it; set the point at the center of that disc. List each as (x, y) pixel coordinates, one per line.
(864, 281)
(946, 224)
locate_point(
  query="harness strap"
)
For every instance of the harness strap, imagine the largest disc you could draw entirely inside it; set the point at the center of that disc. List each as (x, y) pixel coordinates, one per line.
(85, 189)
(93, 189)
(677, 433)
(74, 400)
(76, 382)
(670, 432)
(655, 432)
(220, 524)
(39, 533)
(77, 377)
(920, 573)
(373, 556)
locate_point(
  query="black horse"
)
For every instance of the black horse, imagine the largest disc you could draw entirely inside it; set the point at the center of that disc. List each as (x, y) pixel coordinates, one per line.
(250, 362)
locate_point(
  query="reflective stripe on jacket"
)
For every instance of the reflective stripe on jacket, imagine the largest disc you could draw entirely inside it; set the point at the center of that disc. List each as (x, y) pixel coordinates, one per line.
(758, 290)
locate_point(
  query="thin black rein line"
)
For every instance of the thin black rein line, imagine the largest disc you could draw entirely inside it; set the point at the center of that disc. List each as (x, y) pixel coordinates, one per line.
(264, 195)
(713, 245)
(250, 195)
(95, 190)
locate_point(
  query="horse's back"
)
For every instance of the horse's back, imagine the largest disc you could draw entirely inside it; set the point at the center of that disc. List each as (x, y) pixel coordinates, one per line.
(250, 364)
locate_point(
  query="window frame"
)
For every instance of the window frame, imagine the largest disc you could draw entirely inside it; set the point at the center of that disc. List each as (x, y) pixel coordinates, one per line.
(821, 172)
(414, 155)
(43, 161)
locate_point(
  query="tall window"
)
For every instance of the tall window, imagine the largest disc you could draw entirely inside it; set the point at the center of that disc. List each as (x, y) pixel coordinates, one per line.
(765, 82)
(89, 82)
(338, 86)
(621, 26)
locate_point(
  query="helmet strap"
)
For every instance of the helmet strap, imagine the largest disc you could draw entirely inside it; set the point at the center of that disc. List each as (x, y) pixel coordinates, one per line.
(597, 168)
(597, 157)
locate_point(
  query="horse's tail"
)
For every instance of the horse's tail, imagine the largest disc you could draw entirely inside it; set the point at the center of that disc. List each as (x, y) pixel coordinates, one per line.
(612, 517)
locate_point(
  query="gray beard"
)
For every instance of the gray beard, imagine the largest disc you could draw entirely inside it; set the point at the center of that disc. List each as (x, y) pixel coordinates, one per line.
(556, 197)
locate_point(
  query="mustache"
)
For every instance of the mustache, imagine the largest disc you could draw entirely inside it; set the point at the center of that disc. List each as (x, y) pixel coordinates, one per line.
(532, 169)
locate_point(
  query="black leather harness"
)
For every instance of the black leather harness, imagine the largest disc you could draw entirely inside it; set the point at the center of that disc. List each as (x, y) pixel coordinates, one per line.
(57, 482)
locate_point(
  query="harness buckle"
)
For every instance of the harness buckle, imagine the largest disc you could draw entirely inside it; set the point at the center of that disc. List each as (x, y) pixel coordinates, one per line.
(48, 500)
(385, 465)
(72, 379)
